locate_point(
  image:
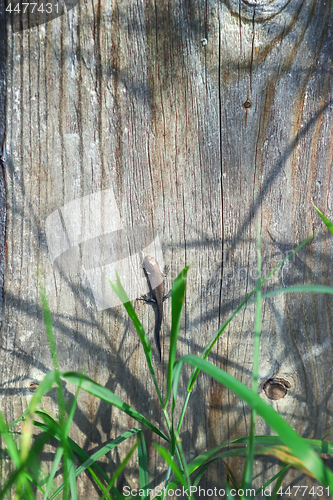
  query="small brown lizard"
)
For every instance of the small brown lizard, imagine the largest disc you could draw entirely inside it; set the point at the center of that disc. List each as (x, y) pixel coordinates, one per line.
(156, 282)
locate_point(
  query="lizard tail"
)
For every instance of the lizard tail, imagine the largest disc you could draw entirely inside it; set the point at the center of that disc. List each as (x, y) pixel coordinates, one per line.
(157, 337)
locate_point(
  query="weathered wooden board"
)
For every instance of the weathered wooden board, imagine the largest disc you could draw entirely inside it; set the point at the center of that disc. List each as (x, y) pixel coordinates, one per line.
(203, 119)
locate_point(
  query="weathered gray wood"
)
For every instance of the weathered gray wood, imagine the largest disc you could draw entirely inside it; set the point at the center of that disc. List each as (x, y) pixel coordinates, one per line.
(3, 58)
(204, 120)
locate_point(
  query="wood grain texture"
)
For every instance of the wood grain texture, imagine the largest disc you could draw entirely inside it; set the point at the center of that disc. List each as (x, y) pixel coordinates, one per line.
(205, 119)
(3, 59)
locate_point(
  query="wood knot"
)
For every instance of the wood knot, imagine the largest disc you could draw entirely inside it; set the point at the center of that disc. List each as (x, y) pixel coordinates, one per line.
(247, 104)
(276, 388)
(33, 386)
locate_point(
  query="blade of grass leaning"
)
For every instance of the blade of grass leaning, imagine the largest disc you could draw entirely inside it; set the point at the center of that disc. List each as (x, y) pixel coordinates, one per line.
(205, 457)
(107, 448)
(282, 453)
(176, 377)
(54, 468)
(72, 410)
(56, 432)
(218, 334)
(174, 433)
(61, 399)
(21, 417)
(18, 477)
(44, 386)
(143, 465)
(183, 462)
(119, 469)
(14, 454)
(325, 220)
(231, 476)
(248, 469)
(82, 454)
(227, 489)
(71, 475)
(169, 460)
(68, 454)
(328, 434)
(290, 438)
(279, 482)
(320, 446)
(11, 447)
(65, 474)
(300, 288)
(54, 355)
(95, 478)
(206, 465)
(119, 290)
(27, 426)
(276, 476)
(33, 482)
(89, 461)
(166, 482)
(54, 429)
(177, 301)
(105, 394)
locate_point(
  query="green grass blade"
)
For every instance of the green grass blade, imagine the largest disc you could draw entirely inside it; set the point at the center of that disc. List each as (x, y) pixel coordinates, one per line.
(88, 461)
(227, 489)
(18, 477)
(49, 328)
(33, 482)
(278, 483)
(106, 448)
(248, 470)
(119, 469)
(119, 290)
(44, 387)
(14, 454)
(206, 458)
(53, 349)
(169, 460)
(328, 434)
(71, 475)
(320, 446)
(177, 301)
(27, 426)
(200, 473)
(83, 455)
(250, 452)
(257, 323)
(176, 376)
(143, 465)
(21, 417)
(325, 220)
(72, 411)
(105, 394)
(270, 481)
(183, 462)
(290, 438)
(300, 288)
(215, 338)
(12, 450)
(55, 465)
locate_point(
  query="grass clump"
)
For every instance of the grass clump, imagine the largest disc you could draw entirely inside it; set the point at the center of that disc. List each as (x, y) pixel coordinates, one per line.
(290, 448)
